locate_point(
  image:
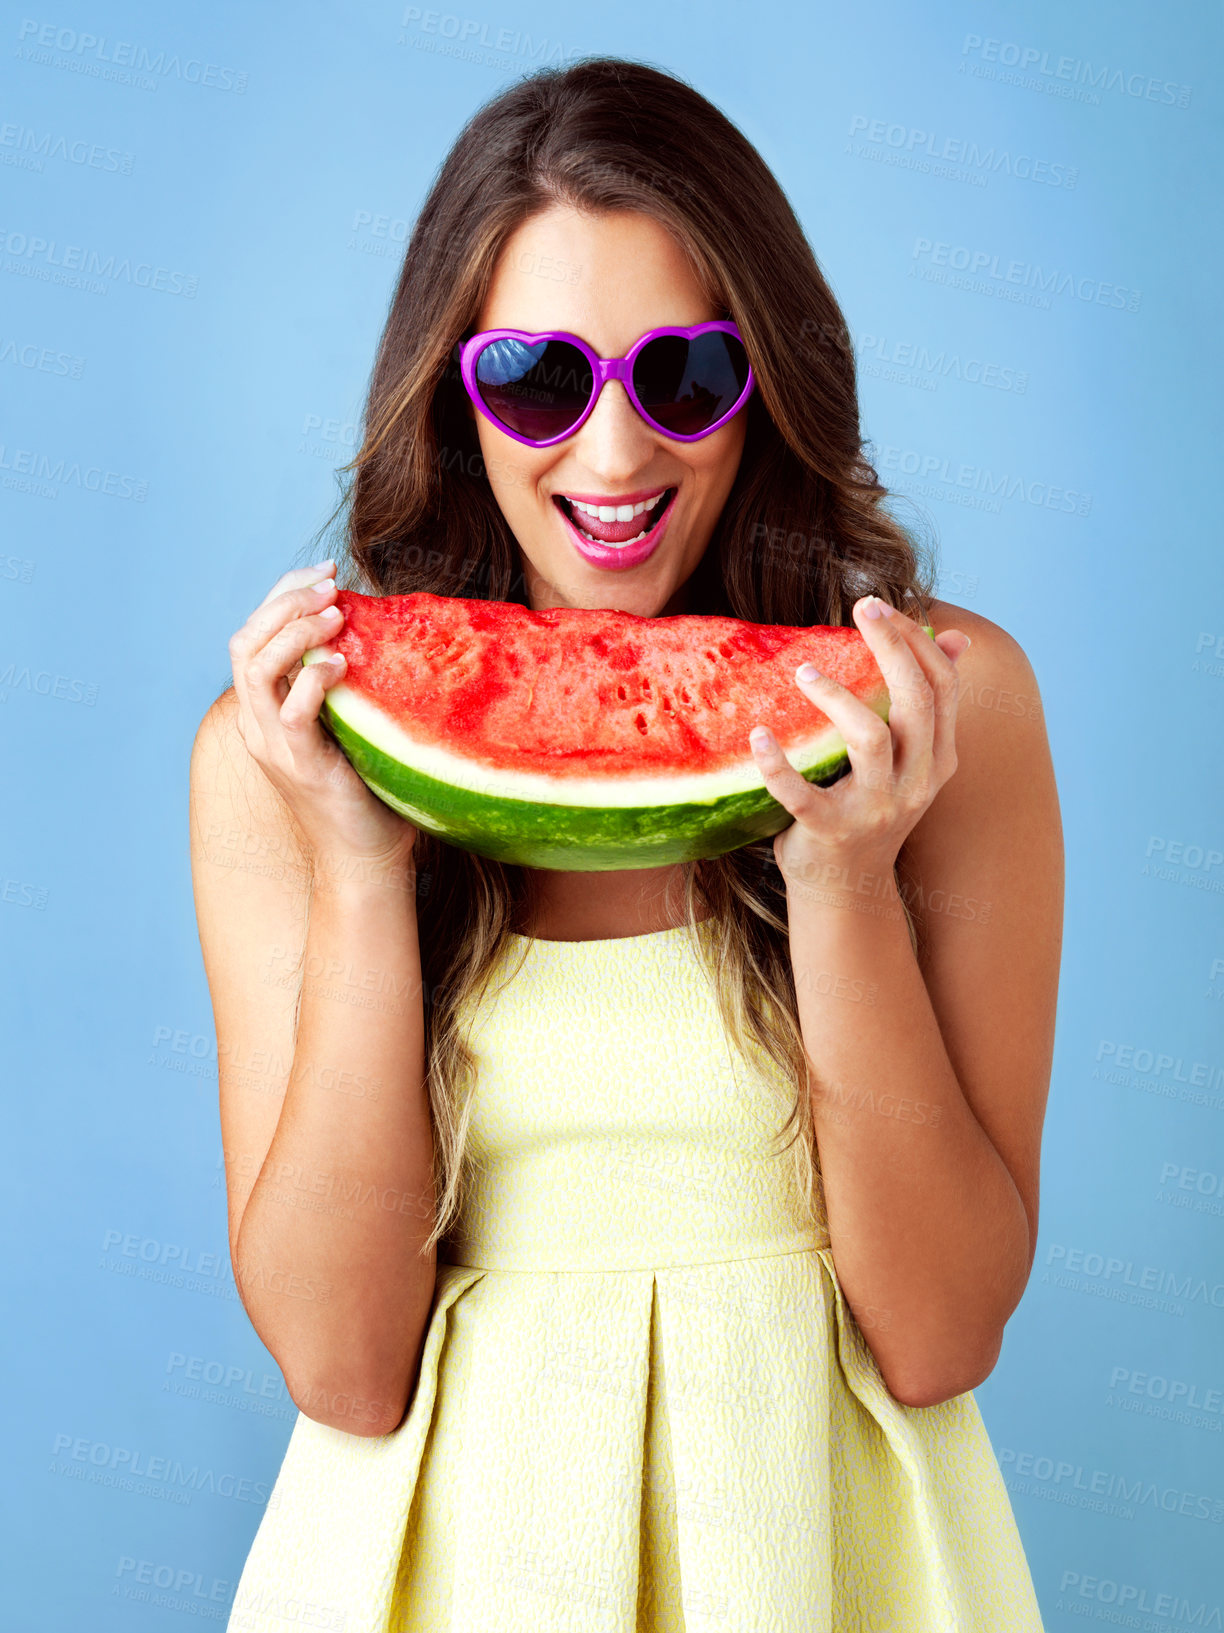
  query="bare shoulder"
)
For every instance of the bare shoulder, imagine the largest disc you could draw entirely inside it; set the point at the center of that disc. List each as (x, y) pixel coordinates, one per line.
(219, 757)
(1004, 777)
(995, 663)
(237, 817)
(1005, 773)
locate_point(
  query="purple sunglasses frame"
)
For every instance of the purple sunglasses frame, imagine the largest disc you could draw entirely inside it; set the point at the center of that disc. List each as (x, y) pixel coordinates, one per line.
(603, 369)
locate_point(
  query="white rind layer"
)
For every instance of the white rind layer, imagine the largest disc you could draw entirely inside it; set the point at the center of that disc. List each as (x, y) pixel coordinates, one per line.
(386, 734)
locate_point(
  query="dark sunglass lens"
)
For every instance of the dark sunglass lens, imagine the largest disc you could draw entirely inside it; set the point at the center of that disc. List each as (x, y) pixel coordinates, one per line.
(688, 385)
(538, 391)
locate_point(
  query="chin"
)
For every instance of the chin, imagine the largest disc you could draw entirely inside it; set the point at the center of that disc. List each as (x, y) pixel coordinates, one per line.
(565, 585)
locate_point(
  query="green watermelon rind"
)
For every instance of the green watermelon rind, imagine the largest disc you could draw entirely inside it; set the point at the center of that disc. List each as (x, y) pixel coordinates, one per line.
(579, 838)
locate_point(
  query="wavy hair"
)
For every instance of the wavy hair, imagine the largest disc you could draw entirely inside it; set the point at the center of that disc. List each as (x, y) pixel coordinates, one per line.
(804, 531)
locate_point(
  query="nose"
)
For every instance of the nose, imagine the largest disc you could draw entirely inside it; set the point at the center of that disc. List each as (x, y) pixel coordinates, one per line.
(615, 441)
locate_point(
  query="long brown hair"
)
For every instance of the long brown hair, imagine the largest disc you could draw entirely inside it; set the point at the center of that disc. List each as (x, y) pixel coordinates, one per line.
(803, 534)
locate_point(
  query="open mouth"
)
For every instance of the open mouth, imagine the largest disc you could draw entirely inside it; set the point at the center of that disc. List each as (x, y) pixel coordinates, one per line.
(614, 534)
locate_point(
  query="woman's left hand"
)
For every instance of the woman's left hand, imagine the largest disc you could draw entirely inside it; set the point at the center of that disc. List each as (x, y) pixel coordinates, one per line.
(897, 766)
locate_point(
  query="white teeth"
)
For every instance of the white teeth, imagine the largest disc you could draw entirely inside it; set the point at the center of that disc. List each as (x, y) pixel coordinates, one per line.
(617, 513)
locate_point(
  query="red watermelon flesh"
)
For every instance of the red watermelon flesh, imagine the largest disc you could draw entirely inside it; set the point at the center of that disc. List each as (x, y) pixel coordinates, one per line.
(580, 738)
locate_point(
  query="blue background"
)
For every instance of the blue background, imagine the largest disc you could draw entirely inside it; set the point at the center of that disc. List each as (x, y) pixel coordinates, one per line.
(168, 442)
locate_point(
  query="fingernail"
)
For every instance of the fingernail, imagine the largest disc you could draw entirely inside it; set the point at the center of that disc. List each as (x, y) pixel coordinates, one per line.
(808, 671)
(322, 566)
(760, 738)
(872, 609)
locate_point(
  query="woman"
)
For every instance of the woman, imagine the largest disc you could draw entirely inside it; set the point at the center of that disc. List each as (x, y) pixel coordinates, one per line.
(573, 1343)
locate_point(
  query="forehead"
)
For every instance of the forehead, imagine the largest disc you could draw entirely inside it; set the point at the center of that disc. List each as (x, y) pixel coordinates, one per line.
(607, 278)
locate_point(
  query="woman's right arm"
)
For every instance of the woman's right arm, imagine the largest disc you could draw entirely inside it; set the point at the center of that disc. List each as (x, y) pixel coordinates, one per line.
(306, 900)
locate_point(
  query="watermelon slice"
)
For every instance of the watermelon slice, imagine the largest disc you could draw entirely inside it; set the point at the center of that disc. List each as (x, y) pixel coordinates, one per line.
(581, 739)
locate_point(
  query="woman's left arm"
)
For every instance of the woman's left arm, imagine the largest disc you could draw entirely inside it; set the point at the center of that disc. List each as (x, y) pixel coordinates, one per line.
(930, 1072)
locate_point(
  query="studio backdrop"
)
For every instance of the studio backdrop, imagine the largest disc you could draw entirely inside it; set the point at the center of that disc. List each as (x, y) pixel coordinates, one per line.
(204, 212)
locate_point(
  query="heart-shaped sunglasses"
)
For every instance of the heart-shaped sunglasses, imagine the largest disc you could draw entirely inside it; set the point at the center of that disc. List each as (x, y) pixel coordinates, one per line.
(540, 388)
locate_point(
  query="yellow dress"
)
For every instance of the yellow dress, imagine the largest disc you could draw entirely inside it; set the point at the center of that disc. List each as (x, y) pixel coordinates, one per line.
(643, 1401)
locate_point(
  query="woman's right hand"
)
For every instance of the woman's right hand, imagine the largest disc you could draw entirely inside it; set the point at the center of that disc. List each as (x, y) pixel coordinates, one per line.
(279, 699)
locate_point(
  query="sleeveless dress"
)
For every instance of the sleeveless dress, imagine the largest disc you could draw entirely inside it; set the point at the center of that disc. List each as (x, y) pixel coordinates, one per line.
(643, 1404)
